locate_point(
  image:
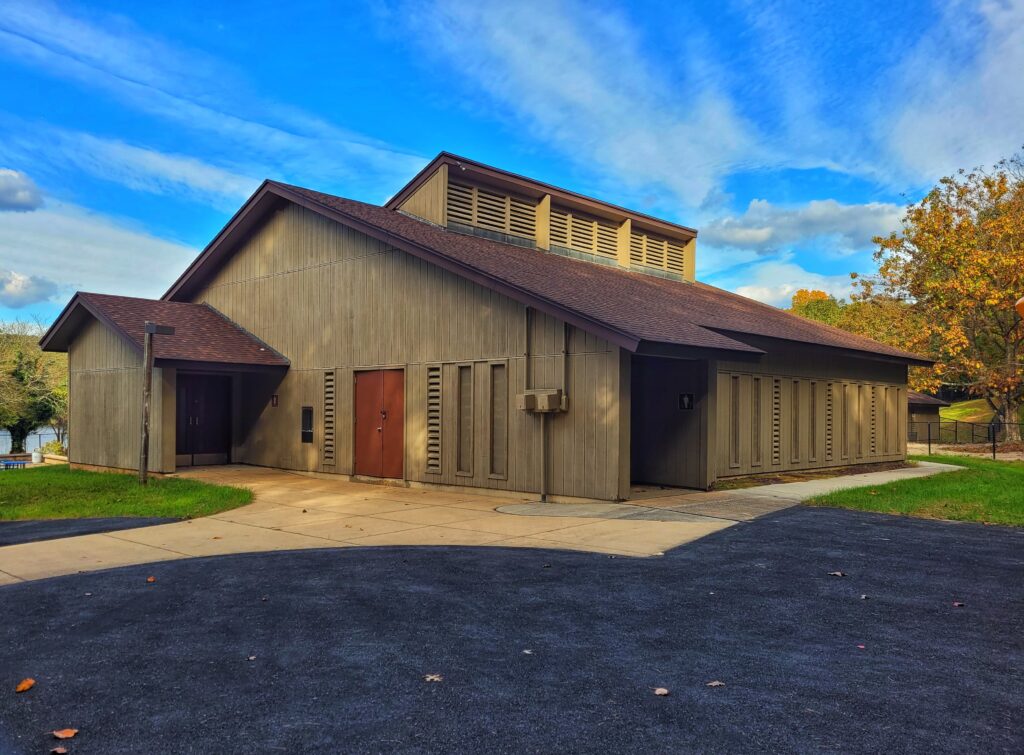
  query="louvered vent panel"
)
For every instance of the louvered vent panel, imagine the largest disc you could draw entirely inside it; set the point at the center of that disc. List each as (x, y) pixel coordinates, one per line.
(460, 203)
(674, 257)
(812, 417)
(776, 421)
(636, 248)
(655, 256)
(874, 420)
(522, 218)
(491, 210)
(434, 420)
(559, 227)
(329, 417)
(581, 233)
(607, 241)
(829, 420)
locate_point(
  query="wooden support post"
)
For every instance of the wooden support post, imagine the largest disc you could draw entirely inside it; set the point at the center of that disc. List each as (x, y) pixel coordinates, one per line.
(147, 390)
(147, 380)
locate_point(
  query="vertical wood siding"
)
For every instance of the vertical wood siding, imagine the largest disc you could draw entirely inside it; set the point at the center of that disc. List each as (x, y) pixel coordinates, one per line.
(105, 394)
(842, 411)
(332, 299)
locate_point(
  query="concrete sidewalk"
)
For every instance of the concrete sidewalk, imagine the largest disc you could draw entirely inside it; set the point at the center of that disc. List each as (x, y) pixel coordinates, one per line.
(294, 511)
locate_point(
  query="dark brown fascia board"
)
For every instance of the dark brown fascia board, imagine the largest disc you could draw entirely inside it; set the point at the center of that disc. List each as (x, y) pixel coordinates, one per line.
(910, 359)
(78, 300)
(190, 365)
(673, 351)
(532, 186)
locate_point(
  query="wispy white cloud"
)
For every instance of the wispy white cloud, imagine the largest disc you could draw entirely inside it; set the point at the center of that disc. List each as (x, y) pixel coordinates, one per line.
(957, 99)
(765, 227)
(18, 192)
(199, 93)
(75, 249)
(18, 290)
(53, 151)
(775, 281)
(576, 75)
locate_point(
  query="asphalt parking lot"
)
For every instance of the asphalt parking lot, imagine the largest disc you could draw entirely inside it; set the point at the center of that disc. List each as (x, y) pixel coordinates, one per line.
(538, 650)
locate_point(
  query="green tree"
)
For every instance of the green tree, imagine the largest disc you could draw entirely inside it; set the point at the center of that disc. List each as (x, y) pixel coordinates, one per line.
(33, 384)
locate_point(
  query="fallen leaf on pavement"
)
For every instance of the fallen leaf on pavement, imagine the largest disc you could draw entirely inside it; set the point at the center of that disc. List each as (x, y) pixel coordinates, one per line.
(861, 647)
(661, 692)
(836, 574)
(216, 537)
(151, 580)
(527, 652)
(433, 678)
(25, 685)
(863, 597)
(251, 658)
(65, 733)
(957, 604)
(716, 683)
(59, 751)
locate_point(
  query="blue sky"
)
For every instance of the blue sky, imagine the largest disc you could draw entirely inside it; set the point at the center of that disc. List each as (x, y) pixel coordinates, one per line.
(788, 133)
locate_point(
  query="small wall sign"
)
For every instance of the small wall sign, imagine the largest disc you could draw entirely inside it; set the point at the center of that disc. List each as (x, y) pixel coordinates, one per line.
(686, 401)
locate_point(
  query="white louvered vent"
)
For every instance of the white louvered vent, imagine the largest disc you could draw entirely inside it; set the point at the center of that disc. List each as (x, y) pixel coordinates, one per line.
(434, 420)
(829, 420)
(329, 417)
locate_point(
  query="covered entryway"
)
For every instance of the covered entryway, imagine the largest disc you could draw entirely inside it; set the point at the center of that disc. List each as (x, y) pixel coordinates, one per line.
(203, 419)
(380, 423)
(668, 421)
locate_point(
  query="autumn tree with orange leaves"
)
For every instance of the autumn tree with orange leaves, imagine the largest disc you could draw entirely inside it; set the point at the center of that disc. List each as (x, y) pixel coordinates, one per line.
(956, 268)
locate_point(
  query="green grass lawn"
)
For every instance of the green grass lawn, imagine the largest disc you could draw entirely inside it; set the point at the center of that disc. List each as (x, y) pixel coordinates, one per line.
(976, 410)
(58, 492)
(985, 491)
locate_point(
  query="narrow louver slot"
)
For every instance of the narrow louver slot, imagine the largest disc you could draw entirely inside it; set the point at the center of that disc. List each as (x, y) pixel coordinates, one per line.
(434, 420)
(329, 417)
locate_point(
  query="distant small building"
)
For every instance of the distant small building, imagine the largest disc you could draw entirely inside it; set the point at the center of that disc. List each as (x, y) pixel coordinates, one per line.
(921, 410)
(924, 408)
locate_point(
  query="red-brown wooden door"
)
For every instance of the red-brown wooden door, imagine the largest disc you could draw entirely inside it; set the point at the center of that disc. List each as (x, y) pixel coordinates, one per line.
(379, 423)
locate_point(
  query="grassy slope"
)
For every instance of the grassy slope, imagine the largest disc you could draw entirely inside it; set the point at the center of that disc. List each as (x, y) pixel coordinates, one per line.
(975, 410)
(986, 491)
(58, 492)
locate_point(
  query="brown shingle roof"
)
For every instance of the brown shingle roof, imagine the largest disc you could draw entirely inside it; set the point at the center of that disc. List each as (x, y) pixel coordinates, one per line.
(923, 399)
(202, 334)
(644, 307)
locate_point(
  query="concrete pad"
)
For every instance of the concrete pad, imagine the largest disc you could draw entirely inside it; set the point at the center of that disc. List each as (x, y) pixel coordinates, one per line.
(347, 528)
(51, 558)
(741, 510)
(633, 536)
(369, 507)
(430, 536)
(517, 526)
(208, 537)
(431, 515)
(279, 516)
(8, 579)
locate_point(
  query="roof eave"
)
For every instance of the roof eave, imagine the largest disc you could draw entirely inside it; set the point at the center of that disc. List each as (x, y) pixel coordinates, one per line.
(80, 299)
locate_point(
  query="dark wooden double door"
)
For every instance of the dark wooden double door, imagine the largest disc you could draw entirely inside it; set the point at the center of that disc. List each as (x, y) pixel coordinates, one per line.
(379, 423)
(203, 419)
